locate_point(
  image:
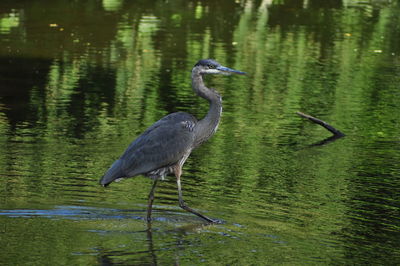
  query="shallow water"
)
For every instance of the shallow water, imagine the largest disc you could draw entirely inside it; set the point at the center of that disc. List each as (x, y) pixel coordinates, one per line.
(80, 80)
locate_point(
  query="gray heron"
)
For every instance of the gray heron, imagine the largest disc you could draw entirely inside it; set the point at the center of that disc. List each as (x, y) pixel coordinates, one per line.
(164, 147)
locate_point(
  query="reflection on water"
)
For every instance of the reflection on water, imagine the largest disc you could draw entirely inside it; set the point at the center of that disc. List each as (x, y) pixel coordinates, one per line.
(79, 81)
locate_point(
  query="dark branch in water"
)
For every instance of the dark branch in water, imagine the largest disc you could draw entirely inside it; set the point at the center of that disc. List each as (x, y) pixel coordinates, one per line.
(336, 133)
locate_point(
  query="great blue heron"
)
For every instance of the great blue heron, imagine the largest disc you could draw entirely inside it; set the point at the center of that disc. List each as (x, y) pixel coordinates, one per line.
(164, 147)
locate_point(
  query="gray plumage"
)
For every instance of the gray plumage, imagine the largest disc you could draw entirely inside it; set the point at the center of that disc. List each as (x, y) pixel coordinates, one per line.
(161, 146)
(164, 147)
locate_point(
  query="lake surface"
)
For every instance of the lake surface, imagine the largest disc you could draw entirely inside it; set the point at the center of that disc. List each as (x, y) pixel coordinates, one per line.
(79, 80)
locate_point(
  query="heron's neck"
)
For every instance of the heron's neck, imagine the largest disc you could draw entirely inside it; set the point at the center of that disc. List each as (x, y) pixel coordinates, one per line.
(207, 126)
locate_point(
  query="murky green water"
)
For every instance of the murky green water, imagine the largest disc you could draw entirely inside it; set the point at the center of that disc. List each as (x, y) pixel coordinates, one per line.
(79, 80)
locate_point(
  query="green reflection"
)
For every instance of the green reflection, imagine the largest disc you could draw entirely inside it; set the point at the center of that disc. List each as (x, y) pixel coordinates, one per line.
(79, 81)
(8, 22)
(112, 5)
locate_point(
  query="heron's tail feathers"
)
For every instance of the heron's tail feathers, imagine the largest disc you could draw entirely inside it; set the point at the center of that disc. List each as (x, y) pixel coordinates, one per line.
(113, 173)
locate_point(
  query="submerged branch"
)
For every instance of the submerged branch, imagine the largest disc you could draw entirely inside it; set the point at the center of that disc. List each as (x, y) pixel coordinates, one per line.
(336, 133)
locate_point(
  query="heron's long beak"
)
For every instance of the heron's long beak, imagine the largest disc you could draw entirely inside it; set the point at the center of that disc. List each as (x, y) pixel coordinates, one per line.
(228, 71)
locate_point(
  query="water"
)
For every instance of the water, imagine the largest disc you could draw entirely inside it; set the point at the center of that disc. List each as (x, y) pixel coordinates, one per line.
(80, 80)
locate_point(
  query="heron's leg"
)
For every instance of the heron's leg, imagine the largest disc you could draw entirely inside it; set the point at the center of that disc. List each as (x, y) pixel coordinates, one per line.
(182, 204)
(150, 201)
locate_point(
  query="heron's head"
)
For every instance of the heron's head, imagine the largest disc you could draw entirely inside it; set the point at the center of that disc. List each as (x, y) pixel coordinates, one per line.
(210, 66)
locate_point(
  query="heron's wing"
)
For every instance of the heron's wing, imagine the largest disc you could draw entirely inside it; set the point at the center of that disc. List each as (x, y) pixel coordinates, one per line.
(162, 144)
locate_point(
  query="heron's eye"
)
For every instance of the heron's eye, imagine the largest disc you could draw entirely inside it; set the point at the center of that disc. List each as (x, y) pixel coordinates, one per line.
(211, 66)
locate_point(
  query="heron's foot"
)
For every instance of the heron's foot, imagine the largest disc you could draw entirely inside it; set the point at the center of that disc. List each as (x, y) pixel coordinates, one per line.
(209, 220)
(148, 219)
(187, 208)
(148, 216)
(216, 221)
